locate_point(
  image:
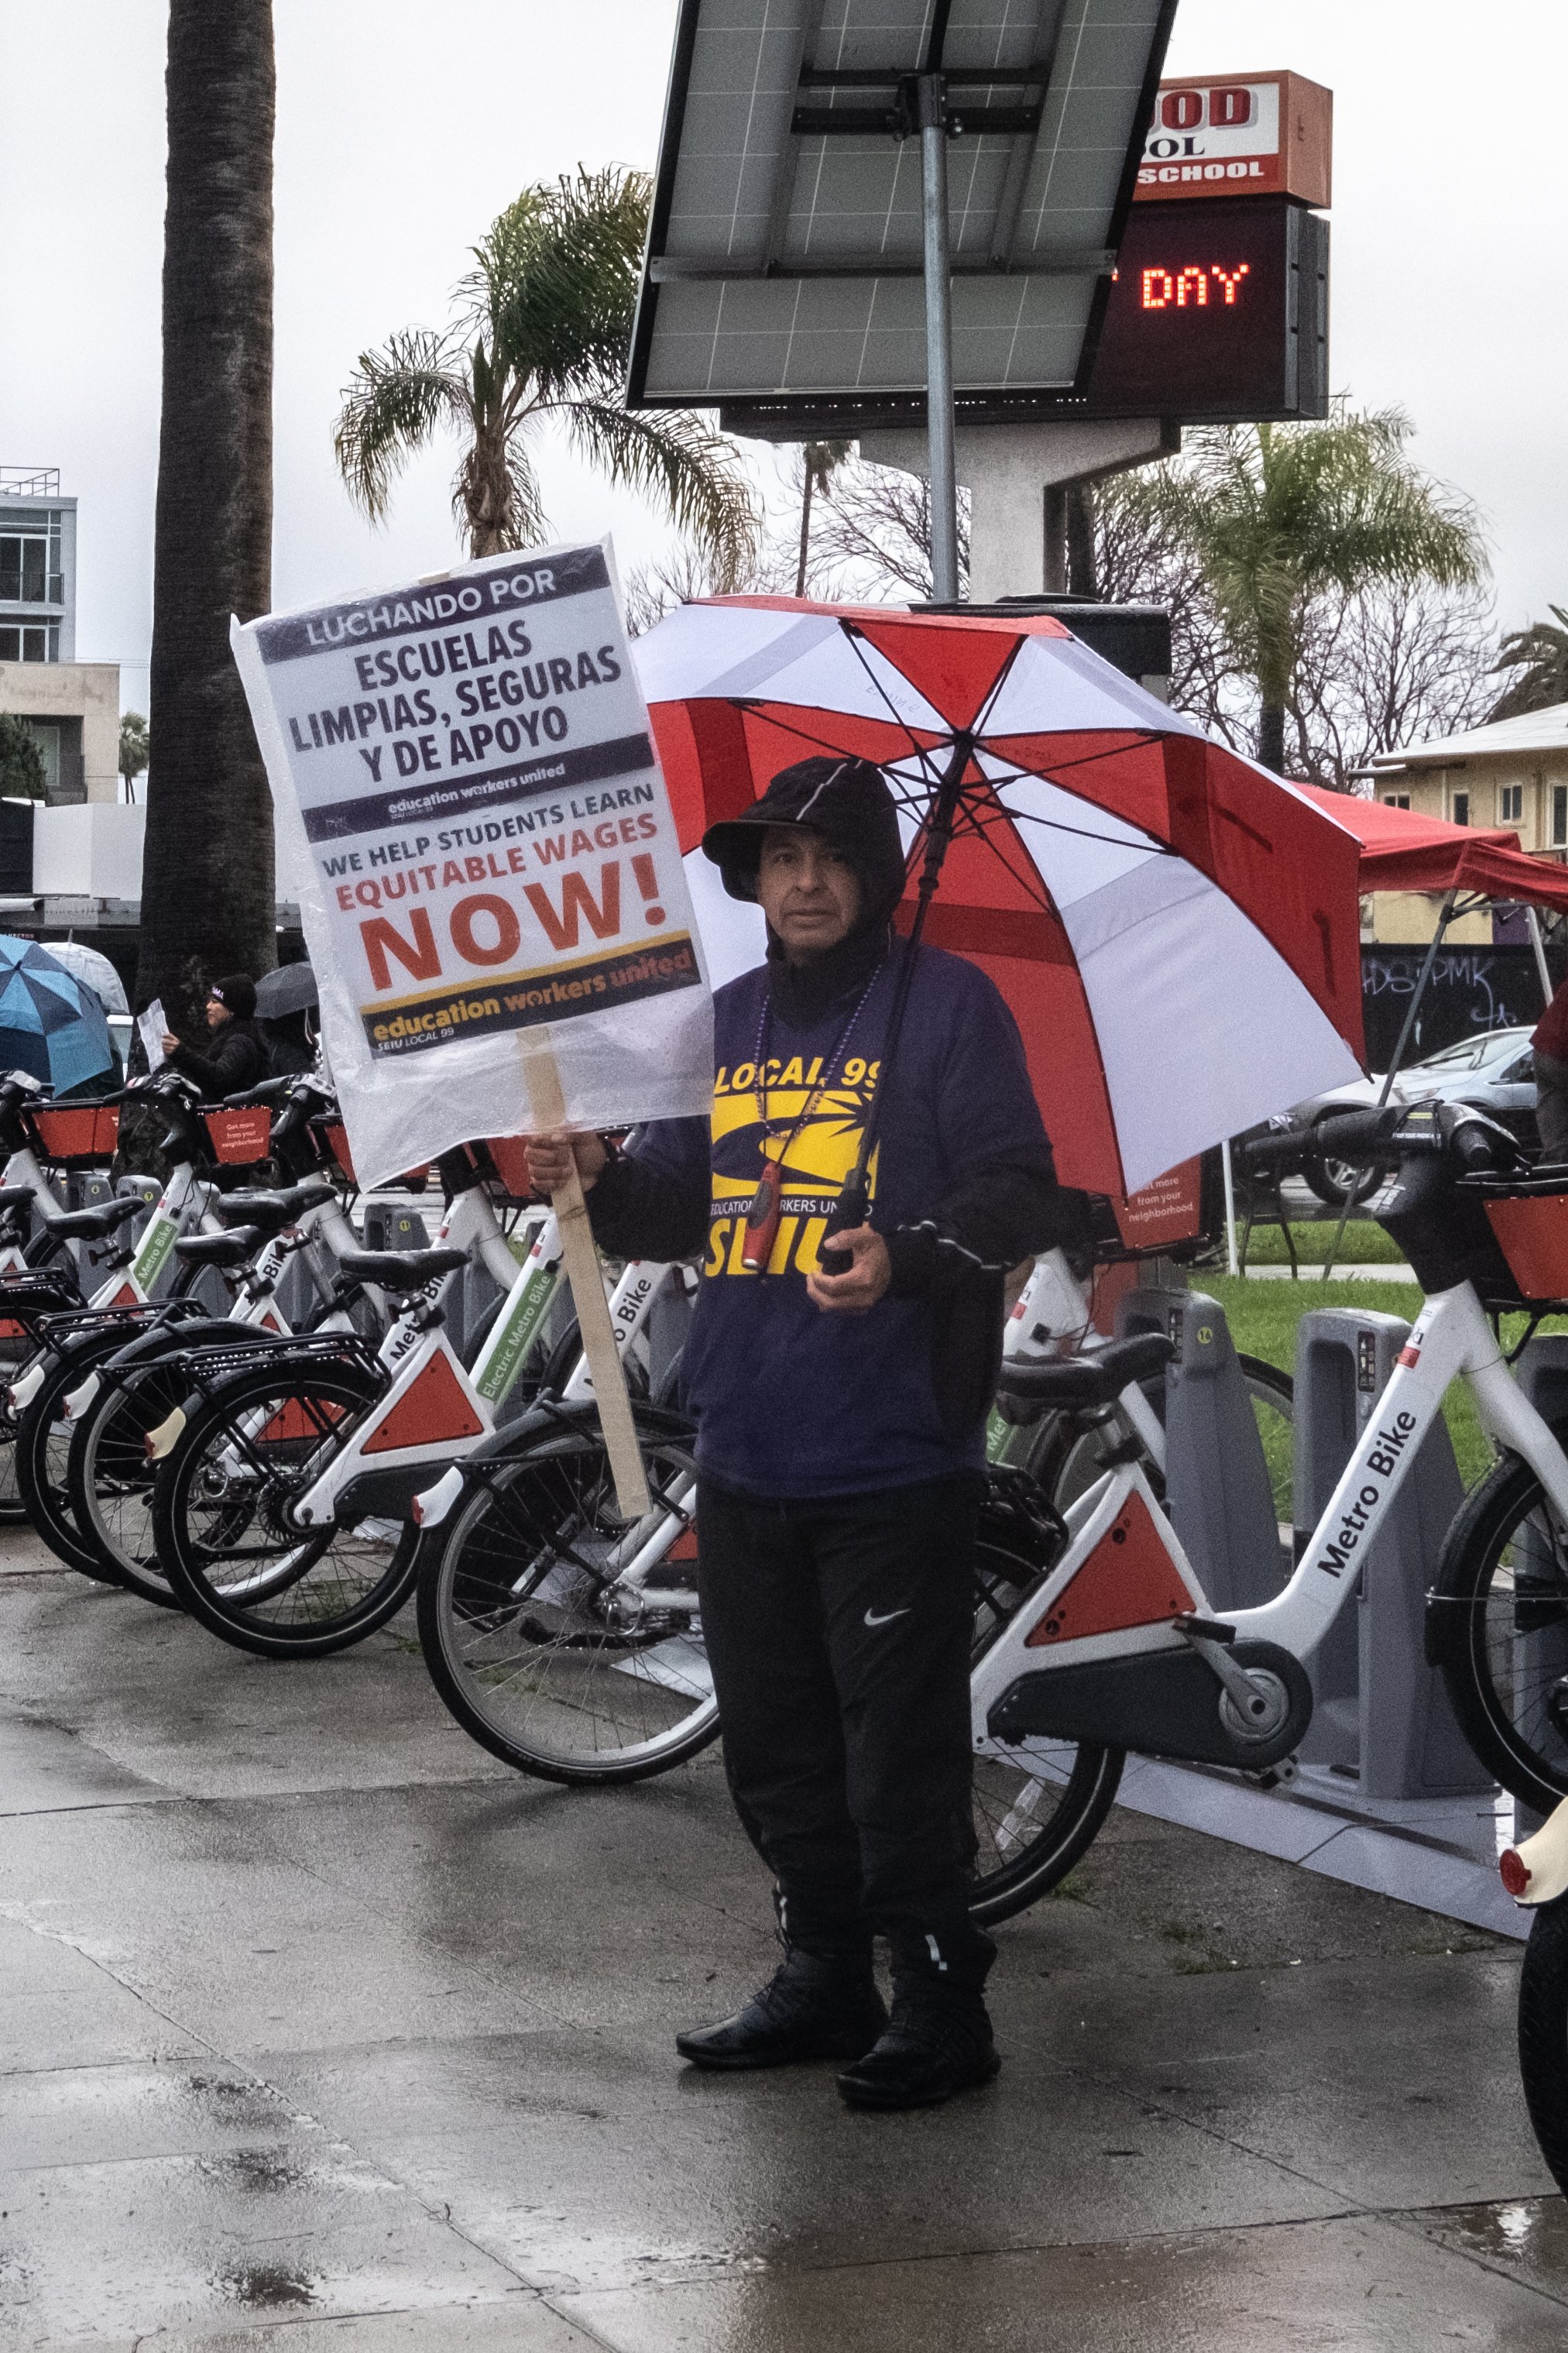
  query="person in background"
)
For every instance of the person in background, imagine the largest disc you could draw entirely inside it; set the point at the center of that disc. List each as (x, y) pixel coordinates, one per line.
(291, 1042)
(841, 1422)
(1551, 1043)
(237, 1059)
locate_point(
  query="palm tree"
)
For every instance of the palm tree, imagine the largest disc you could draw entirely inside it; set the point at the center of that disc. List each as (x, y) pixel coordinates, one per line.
(1542, 651)
(1276, 515)
(820, 461)
(208, 892)
(541, 332)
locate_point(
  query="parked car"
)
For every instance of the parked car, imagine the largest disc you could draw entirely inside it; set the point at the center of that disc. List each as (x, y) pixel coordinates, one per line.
(1493, 1069)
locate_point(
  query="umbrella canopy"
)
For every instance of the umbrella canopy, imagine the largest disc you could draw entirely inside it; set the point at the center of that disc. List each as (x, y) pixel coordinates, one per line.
(287, 988)
(1402, 851)
(52, 1025)
(1174, 929)
(96, 970)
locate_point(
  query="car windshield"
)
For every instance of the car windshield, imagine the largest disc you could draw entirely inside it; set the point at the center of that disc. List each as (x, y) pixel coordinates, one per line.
(1473, 1053)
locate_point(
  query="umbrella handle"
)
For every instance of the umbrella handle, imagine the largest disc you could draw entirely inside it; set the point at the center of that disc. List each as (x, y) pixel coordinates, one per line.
(851, 1208)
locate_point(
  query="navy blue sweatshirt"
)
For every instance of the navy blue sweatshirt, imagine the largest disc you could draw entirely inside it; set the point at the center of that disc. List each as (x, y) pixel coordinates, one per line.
(791, 1401)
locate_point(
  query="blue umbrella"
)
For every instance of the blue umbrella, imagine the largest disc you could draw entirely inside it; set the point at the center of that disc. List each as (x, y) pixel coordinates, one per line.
(51, 1025)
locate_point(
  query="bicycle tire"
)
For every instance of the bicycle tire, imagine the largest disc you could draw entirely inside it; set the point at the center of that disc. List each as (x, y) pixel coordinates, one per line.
(109, 1480)
(219, 1505)
(17, 1349)
(1543, 2035)
(42, 1451)
(1015, 1864)
(554, 1498)
(1064, 1459)
(465, 1582)
(1497, 1628)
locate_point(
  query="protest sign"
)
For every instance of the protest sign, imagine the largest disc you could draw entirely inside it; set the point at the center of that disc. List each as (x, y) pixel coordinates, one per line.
(489, 874)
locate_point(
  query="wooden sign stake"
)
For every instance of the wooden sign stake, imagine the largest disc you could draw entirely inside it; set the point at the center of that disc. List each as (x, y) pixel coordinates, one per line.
(547, 1108)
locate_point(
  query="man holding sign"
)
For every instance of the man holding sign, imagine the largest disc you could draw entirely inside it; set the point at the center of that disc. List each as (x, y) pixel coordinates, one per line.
(841, 1422)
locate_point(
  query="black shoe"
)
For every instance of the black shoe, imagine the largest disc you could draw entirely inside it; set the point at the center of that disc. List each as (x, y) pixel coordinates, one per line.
(938, 2041)
(811, 2008)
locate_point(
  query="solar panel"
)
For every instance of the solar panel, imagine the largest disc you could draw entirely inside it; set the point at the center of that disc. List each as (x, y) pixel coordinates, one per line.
(785, 250)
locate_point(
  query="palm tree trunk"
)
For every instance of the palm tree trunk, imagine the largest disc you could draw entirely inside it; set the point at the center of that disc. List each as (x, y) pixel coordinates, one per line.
(1271, 735)
(207, 891)
(804, 535)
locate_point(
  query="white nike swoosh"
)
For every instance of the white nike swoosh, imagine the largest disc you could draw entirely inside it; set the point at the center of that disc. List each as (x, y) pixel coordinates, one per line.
(886, 1617)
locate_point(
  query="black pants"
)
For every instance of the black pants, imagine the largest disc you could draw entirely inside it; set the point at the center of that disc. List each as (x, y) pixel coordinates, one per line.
(838, 1634)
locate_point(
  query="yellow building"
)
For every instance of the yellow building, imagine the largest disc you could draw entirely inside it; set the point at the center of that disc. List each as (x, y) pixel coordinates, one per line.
(1514, 773)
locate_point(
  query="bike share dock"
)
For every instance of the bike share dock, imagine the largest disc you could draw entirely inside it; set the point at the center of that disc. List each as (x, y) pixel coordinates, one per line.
(1387, 1795)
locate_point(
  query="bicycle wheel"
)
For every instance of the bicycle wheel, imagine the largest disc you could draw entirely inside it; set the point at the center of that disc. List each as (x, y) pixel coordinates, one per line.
(524, 1636)
(18, 1348)
(1065, 1458)
(108, 1478)
(1543, 2034)
(221, 1517)
(1498, 1628)
(1273, 1396)
(1038, 1804)
(43, 1455)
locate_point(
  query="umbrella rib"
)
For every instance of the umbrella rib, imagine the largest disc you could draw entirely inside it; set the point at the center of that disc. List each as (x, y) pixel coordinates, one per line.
(898, 719)
(1139, 743)
(1056, 825)
(771, 711)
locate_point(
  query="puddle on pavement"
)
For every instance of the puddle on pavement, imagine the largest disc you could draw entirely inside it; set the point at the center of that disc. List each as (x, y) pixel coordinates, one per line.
(260, 2170)
(268, 2287)
(1529, 2230)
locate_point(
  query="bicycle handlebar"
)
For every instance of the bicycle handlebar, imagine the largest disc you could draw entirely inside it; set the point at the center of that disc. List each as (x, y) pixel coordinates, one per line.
(1391, 1132)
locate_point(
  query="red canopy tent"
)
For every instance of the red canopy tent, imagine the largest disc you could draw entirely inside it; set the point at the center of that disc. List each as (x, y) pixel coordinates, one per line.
(1402, 850)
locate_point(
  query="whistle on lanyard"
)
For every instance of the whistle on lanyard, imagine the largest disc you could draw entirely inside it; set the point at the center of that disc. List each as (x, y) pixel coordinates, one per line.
(762, 1220)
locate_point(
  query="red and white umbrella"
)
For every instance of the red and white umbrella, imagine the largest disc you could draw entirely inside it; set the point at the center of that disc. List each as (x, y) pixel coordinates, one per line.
(1176, 930)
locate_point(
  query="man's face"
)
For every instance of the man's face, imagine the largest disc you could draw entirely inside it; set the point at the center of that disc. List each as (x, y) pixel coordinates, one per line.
(809, 894)
(217, 1014)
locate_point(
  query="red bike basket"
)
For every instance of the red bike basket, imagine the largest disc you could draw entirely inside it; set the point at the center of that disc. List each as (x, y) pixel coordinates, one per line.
(337, 1136)
(511, 1156)
(1532, 1231)
(78, 1131)
(241, 1135)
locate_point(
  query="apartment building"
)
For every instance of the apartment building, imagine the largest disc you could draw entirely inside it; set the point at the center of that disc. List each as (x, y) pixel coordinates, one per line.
(71, 707)
(1512, 772)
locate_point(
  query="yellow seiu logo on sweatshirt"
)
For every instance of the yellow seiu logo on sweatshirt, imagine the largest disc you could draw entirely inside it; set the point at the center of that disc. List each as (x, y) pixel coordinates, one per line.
(749, 1109)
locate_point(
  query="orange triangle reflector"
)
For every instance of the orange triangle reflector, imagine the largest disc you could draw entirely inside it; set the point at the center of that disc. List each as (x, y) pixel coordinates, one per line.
(434, 1406)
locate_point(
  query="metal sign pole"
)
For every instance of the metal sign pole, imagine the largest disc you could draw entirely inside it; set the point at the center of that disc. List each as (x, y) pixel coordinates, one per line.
(1449, 908)
(938, 340)
(1532, 918)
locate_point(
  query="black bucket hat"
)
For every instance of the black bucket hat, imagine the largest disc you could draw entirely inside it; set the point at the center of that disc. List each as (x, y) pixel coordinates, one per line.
(846, 801)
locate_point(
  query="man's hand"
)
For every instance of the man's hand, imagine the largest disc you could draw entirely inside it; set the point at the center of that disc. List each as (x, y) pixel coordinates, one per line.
(867, 1280)
(550, 1159)
(171, 1043)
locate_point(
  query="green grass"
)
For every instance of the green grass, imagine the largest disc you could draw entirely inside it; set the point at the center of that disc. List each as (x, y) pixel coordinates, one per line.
(1365, 1243)
(1263, 1317)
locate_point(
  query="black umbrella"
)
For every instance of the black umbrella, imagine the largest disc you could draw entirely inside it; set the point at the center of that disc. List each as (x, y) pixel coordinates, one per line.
(291, 989)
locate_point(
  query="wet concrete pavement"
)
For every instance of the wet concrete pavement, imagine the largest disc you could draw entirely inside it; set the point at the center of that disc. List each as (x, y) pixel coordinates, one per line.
(319, 2029)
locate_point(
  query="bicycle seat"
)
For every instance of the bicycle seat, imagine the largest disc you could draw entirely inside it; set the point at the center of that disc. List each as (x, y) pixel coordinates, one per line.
(400, 1270)
(92, 1225)
(270, 1211)
(219, 1249)
(12, 1196)
(1071, 1384)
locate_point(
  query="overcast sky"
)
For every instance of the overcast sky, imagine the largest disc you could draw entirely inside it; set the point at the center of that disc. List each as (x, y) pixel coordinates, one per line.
(402, 129)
